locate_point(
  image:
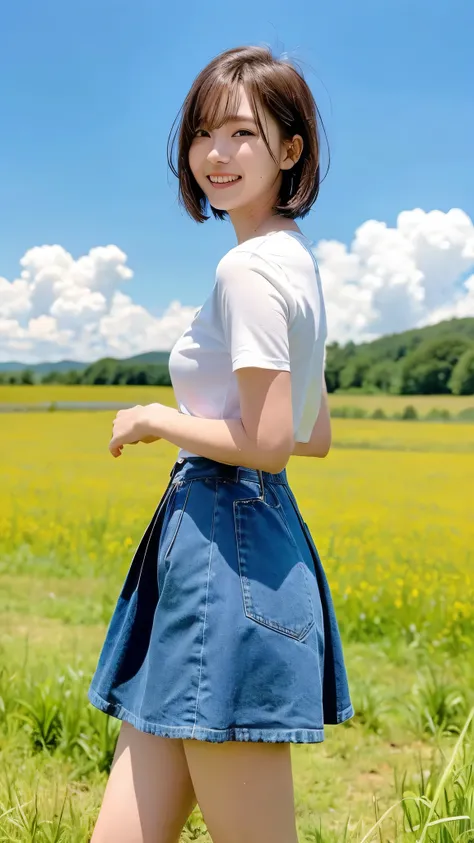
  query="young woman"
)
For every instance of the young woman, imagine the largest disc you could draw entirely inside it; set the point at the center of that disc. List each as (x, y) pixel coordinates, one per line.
(224, 647)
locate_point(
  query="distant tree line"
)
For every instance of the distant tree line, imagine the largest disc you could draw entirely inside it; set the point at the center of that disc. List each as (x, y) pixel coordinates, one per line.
(106, 371)
(435, 360)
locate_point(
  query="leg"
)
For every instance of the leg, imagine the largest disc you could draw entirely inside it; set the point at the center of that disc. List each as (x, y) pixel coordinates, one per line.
(149, 793)
(244, 790)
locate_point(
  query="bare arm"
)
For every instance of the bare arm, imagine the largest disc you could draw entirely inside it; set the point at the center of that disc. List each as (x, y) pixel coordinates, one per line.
(262, 438)
(320, 440)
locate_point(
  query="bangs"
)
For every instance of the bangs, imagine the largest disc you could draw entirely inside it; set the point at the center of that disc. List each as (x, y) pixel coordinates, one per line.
(208, 107)
(218, 99)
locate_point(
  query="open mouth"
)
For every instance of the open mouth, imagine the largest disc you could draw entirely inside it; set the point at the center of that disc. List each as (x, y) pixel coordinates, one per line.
(224, 183)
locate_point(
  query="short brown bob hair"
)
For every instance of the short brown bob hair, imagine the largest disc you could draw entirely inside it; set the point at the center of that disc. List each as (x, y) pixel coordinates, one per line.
(275, 84)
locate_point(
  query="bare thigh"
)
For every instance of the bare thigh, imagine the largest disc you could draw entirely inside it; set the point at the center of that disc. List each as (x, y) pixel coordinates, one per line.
(244, 789)
(149, 794)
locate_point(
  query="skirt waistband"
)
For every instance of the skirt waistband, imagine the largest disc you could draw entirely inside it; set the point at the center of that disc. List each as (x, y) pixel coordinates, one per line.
(191, 468)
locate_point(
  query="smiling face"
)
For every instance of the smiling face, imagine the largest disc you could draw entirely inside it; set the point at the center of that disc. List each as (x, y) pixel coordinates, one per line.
(237, 149)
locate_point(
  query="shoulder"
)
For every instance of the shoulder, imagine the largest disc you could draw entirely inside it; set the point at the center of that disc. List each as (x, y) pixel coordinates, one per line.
(282, 253)
(234, 260)
(282, 264)
(292, 252)
(244, 268)
(264, 263)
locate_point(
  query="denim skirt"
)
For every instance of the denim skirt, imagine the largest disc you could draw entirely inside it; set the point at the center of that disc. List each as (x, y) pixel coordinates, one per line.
(224, 629)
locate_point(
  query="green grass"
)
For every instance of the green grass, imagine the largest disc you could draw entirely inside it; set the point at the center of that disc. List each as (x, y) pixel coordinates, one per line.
(408, 715)
(390, 510)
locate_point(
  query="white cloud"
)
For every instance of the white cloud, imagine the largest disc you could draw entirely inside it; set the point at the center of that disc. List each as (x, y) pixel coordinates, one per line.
(463, 305)
(387, 280)
(391, 279)
(64, 308)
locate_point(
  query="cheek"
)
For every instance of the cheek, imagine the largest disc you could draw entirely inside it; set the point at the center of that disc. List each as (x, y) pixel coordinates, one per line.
(256, 159)
(194, 159)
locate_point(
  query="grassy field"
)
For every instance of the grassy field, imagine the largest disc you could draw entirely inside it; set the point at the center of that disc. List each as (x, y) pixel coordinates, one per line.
(391, 512)
(147, 394)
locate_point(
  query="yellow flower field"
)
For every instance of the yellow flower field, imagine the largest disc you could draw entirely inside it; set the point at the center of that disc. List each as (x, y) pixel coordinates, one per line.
(389, 509)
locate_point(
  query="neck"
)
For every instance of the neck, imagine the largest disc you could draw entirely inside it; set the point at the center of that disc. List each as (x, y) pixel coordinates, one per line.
(247, 226)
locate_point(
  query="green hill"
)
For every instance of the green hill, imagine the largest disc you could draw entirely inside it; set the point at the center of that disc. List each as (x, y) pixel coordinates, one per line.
(395, 346)
(436, 359)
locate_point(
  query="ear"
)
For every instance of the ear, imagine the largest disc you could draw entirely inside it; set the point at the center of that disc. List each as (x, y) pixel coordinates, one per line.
(292, 150)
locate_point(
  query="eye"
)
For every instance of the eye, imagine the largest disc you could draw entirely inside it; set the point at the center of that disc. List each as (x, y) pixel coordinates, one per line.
(245, 131)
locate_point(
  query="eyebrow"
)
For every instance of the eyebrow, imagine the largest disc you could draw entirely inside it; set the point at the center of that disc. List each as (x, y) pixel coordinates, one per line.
(238, 118)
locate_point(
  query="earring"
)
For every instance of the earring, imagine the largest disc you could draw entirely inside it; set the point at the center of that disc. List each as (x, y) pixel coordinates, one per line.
(292, 182)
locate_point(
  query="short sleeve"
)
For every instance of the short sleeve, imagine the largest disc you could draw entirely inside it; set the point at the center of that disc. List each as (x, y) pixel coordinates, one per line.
(254, 314)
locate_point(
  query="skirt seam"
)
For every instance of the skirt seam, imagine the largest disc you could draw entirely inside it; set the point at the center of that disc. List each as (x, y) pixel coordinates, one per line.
(211, 543)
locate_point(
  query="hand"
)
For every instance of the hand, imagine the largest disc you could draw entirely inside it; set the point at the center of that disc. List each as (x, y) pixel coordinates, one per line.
(129, 428)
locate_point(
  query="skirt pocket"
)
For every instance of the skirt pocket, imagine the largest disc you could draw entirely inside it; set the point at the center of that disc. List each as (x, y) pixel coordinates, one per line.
(275, 581)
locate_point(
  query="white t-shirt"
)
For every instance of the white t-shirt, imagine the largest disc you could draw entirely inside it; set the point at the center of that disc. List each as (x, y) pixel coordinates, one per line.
(265, 309)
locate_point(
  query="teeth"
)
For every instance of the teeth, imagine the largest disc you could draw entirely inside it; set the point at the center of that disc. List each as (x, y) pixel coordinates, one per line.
(223, 179)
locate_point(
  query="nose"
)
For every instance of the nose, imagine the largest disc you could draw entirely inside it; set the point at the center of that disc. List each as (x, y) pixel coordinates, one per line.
(218, 153)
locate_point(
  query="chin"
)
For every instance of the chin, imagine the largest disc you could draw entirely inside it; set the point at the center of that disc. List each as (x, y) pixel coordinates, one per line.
(222, 206)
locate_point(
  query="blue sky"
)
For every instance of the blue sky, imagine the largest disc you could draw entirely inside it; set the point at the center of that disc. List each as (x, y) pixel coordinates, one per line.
(89, 92)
